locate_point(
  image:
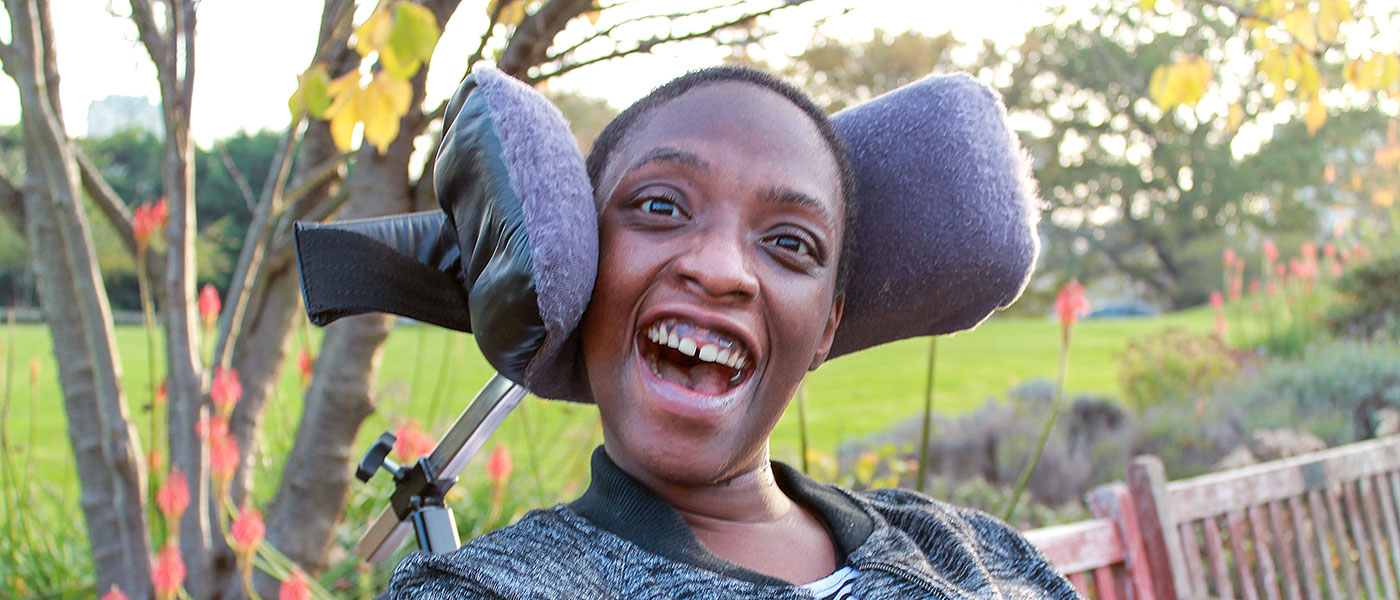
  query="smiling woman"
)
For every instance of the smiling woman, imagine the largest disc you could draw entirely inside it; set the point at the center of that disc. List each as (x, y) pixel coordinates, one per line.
(725, 203)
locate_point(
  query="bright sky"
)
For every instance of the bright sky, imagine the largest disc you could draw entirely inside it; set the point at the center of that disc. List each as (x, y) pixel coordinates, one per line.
(249, 53)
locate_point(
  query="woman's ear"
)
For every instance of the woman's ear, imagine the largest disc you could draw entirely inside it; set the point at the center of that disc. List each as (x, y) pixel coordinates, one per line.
(833, 320)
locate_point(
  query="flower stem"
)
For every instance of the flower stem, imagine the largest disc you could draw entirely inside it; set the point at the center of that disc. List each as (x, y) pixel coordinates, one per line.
(1045, 431)
(928, 415)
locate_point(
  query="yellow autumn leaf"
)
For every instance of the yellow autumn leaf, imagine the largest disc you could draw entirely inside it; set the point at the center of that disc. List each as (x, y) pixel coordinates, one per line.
(344, 116)
(1274, 69)
(1309, 81)
(1383, 198)
(1331, 14)
(1300, 24)
(1351, 72)
(1269, 8)
(1315, 116)
(1390, 72)
(592, 16)
(1158, 88)
(381, 105)
(512, 11)
(1236, 116)
(373, 34)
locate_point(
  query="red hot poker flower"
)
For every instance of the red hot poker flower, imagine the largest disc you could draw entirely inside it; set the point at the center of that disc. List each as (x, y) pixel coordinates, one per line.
(1270, 251)
(294, 587)
(223, 458)
(304, 363)
(247, 529)
(114, 593)
(147, 220)
(412, 442)
(498, 465)
(209, 305)
(1071, 304)
(174, 497)
(1217, 300)
(168, 573)
(225, 390)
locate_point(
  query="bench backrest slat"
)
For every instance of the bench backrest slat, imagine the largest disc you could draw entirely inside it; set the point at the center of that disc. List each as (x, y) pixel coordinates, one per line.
(1319, 525)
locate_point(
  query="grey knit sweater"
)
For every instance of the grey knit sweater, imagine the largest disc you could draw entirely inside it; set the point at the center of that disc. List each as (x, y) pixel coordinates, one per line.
(619, 541)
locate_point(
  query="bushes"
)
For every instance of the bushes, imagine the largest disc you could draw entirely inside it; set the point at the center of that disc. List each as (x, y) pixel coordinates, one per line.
(1173, 368)
(1335, 390)
(1369, 301)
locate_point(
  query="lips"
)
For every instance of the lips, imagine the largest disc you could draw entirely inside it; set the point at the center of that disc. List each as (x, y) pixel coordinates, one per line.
(705, 360)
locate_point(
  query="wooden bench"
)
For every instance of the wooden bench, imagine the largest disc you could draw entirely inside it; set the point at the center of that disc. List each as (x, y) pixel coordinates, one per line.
(1102, 557)
(1322, 525)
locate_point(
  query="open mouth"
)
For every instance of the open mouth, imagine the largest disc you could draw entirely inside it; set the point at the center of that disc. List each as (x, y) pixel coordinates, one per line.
(694, 357)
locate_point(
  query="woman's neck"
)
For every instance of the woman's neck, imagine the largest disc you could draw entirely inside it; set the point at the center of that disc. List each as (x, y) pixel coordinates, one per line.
(749, 521)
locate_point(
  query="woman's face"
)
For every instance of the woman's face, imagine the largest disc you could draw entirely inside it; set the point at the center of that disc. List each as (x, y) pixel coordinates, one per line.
(719, 230)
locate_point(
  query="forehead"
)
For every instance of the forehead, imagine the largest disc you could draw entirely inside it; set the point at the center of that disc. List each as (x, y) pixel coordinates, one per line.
(742, 125)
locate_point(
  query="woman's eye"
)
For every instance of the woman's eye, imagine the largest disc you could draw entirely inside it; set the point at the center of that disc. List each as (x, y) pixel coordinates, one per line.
(792, 244)
(661, 206)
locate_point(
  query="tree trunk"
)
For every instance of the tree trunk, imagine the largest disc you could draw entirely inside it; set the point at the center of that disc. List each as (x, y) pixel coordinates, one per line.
(74, 300)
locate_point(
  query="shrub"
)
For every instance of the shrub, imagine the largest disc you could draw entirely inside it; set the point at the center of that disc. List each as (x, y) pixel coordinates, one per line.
(1335, 390)
(1369, 299)
(1173, 367)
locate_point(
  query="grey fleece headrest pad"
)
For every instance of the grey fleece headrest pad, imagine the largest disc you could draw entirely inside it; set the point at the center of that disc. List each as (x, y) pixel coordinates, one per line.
(946, 229)
(510, 177)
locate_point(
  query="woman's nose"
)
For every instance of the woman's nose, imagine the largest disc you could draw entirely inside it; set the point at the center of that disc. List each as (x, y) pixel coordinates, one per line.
(718, 264)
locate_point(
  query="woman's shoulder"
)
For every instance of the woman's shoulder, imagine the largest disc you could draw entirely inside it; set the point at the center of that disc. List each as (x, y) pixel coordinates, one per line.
(954, 535)
(532, 558)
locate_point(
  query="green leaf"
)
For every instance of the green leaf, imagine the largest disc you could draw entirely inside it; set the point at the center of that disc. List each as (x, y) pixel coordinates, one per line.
(414, 34)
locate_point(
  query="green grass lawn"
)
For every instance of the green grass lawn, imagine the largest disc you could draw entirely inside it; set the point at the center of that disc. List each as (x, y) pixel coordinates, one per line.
(429, 374)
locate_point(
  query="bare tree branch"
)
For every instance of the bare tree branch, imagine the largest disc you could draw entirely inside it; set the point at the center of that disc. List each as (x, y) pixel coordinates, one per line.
(533, 36)
(238, 178)
(149, 33)
(605, 33)
(492, 20)
(648, 45)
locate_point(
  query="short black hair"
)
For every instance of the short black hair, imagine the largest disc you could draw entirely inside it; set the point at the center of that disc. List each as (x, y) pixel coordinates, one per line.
(616, 130)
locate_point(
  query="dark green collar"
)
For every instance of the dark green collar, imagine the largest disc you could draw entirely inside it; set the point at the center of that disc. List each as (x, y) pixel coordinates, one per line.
(618, 503)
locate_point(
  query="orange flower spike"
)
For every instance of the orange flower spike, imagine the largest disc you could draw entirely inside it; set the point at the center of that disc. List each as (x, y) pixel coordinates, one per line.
(498, 465)
(168, 573)
(1070, 303)
(114, 593)
(223, 459)
(174, 496)
(209, 305)
(412, 442)
(247, 529)
(225, 390)
(304, 363)
(294, 587)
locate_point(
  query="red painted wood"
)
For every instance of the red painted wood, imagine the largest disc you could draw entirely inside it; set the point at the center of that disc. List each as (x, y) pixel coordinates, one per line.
(1317, 508)
(1283, 544)
(1079, 547)
(1191, 557)
(1304, 530)
(1388, 509)
(1263, 555)
(1358, 536)
(1215, 550)
(1113, 502)
(1104, 584)
(1147, 482)
(1378, 548)
(1248, 588)
(1077, 580)
(1344, 551)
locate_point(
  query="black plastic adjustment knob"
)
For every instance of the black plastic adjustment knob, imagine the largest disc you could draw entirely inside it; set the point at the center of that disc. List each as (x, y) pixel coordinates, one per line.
(377, 456)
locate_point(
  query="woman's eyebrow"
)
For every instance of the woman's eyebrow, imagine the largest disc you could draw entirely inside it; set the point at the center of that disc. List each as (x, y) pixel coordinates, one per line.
(789, 196)
(671, 154)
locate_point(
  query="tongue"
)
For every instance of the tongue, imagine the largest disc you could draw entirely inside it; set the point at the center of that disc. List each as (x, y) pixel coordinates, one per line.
(704, 378)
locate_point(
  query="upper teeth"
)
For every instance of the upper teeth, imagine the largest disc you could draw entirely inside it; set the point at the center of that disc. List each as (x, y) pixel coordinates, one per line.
(733, 358)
